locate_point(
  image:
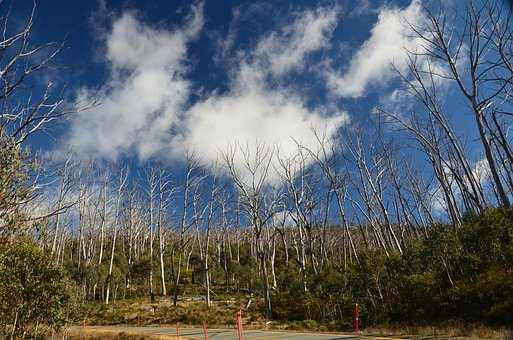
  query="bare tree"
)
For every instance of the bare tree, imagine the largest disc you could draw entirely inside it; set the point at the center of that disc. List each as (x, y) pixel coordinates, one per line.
(186, 222)
(66, 185)
(216, 197)
(122, 181)
(466, 56)
(27, 107)
(151, 179)
(31, 101)
(166, 191)
(336, 175)
(251, 177)
(105, 203)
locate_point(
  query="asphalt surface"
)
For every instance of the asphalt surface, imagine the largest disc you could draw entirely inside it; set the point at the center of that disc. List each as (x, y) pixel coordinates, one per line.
(213, 334)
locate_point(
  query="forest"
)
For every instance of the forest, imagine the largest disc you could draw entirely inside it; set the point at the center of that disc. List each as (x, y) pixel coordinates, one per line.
(422, 238)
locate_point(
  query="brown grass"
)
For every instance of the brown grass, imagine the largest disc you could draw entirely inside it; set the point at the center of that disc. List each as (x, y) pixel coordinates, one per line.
(97, 334)
(449, 332)
(140, 312)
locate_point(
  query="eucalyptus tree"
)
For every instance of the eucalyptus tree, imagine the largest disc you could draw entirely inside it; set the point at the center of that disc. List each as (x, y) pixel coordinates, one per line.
(328, 159)
(370, 183)
(211, 206)
(24, 112)
(188, 219)
(302, 191)
(474, 57)
(151, 192)
(120, 191)
(67, 181)
(166, 191)
(250, 170)
(433, 144)
(32, 101)
(104, 213)
(134, 221)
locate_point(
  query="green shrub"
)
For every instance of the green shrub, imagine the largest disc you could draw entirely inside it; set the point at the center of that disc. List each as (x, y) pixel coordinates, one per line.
(33, 291)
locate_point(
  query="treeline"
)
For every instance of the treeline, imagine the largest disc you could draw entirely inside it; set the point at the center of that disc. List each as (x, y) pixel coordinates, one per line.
(411, 236)
(446, 278)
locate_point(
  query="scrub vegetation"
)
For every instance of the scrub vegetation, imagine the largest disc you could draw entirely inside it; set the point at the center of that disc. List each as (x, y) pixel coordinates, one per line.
(420, 243)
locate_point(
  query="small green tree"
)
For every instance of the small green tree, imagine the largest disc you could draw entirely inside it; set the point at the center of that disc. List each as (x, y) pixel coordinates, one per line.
(13, 188)
(33, 291)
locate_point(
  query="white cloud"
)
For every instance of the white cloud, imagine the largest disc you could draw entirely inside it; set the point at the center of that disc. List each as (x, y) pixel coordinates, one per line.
(285, 51)
(145, 91)
(373, 64)
(255, 111)
(252, 115)
(145, 100)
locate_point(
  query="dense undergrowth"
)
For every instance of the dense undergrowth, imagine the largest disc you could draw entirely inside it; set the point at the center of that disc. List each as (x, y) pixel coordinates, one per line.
(461, 276)
(451, 278)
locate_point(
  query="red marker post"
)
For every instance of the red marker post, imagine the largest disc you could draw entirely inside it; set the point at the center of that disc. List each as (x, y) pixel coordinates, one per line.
(205, 331)
(238, 324)
(356, 318)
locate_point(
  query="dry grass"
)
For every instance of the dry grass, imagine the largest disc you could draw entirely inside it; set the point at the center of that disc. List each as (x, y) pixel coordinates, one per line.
(94, 334)
(449, 332)
(222, 313)
(141, 313)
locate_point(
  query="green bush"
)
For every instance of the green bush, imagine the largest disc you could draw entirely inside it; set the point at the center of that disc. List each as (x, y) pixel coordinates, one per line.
(14, 169)
(33, 292)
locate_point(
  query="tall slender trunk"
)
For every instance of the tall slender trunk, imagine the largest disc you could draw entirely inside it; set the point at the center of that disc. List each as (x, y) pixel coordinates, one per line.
(113, 249)
(102, 226)
(109, 278)
(161, 254)
(264, 273)
(273, 257)
(501, 193)
(57, 229)
(152, 296)
(177, 279)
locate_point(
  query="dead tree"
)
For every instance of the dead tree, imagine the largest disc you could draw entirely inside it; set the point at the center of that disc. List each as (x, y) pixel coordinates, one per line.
(249, 169)
(465, 56)
(326, 157)
(186, 222)
(166, 192)
(122, 181)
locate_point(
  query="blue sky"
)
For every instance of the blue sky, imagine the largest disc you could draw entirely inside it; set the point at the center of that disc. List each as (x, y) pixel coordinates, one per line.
(240, 26)
(175, 76)
(87, 24)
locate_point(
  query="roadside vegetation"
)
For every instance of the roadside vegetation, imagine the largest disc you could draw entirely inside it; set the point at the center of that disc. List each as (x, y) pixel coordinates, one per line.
(294, 243)
(448, 279)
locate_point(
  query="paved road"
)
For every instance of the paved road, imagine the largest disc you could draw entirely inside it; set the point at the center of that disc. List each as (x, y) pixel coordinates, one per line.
(213, 334)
